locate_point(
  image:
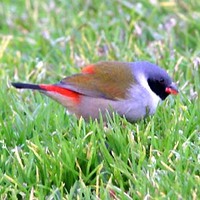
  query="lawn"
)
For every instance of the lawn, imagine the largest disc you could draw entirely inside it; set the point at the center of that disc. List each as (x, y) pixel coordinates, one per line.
(49, 154)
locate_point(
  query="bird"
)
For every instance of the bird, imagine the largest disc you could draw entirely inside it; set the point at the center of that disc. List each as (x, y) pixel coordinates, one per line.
(131, 89)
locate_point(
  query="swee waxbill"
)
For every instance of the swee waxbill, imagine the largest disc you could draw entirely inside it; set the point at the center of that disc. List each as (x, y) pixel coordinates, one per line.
(132, 89)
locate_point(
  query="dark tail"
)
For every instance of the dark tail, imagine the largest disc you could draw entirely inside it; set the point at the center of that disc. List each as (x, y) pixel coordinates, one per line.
(26, 86)
(50, 88)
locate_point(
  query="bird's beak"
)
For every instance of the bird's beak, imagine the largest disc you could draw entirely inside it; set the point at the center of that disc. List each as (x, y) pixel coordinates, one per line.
(172, 89)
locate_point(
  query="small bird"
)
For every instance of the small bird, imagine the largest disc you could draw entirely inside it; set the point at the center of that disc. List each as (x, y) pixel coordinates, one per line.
(131, 89)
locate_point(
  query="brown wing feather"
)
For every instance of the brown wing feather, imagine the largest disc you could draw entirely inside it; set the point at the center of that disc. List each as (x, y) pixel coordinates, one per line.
(104, 79)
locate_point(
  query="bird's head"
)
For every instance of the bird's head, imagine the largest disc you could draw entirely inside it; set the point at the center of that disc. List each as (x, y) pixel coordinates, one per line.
(158, 79)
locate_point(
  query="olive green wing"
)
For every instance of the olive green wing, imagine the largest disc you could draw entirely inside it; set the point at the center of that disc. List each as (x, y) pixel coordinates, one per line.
(109, 80)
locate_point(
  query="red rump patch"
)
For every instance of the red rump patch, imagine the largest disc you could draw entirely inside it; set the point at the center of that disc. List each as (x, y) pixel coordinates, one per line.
(65, 92)
(88, 69)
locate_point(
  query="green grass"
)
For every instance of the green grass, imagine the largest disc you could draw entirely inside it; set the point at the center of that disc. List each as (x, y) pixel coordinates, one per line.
(47, 154)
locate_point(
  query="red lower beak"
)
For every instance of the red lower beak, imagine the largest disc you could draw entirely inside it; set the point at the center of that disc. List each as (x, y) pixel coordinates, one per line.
(172, 89)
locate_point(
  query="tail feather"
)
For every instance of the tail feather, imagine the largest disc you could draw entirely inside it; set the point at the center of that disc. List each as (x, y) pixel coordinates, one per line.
(26, 86)
(50, 89)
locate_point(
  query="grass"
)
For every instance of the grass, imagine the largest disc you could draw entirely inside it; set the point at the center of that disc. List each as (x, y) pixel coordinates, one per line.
(47, 154)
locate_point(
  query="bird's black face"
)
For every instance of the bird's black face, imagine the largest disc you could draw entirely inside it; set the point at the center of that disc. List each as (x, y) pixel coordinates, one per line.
(162, 86)
(158, 85)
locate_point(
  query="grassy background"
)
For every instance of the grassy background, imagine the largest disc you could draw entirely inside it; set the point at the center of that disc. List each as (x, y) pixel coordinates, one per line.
(46, 154)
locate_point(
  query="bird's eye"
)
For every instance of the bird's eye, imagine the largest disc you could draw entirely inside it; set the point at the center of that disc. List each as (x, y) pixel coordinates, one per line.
(161, 80)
